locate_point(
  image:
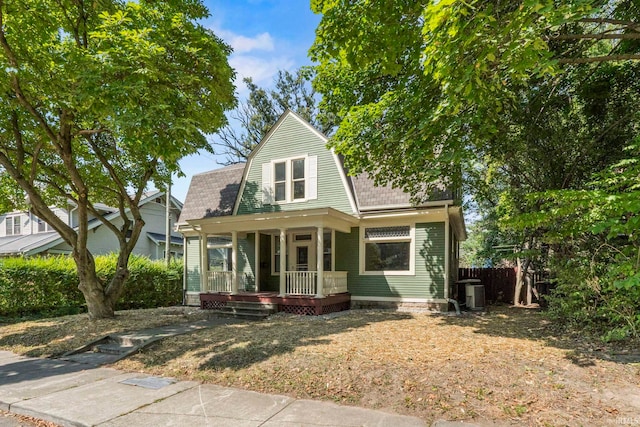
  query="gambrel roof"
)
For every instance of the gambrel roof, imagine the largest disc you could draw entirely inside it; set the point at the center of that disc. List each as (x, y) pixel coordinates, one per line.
(214, 193)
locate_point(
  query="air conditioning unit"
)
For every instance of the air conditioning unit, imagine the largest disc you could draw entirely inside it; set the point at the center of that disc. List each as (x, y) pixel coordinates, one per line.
(475, 297)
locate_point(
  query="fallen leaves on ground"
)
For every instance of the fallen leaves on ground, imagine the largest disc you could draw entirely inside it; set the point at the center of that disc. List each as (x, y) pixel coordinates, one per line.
(509, 365)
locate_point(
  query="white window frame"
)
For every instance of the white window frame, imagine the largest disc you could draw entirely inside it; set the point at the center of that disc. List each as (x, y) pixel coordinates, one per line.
(411, 239)
(11, 231)
(38, 221)
(288, 186)
(219, 246)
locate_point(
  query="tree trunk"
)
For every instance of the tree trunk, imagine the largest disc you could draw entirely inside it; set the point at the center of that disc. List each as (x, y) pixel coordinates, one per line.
(521, 278)
(101, 299)
(98, 305)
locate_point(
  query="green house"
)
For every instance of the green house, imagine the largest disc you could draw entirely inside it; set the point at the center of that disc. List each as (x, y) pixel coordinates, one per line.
(291, 226)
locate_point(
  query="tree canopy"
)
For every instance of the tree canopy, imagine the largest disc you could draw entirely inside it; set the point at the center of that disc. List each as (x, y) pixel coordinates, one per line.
(99, 99)
(529, 104)
(420, 87)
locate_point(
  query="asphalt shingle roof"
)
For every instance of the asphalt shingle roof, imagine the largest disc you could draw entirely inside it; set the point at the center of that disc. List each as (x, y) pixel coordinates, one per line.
(212, 193)
(369, 196)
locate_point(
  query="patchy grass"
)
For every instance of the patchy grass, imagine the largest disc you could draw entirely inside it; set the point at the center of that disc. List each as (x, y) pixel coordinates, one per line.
(507, 365)
(55, 336)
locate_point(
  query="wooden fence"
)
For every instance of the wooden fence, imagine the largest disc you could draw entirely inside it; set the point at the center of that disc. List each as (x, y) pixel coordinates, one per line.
(499, 283)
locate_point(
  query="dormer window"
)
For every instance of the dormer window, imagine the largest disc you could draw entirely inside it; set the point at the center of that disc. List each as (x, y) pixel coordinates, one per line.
(280, 181)
(297, 172)
(290, 180)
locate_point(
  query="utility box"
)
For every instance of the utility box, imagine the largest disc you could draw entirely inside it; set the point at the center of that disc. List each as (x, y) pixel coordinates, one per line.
(475, 296)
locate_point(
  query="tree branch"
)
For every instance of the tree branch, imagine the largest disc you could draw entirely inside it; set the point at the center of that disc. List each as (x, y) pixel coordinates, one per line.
(600, 36)
(622, 57)
(628, 24)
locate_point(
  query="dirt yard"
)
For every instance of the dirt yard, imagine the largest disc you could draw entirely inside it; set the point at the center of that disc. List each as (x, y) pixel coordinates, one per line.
(509, 366)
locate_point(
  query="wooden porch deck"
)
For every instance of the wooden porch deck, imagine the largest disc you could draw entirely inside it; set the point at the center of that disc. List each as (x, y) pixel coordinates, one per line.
(292, 304)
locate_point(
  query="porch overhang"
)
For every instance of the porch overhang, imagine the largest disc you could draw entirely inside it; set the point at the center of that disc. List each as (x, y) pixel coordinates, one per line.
(321, 217)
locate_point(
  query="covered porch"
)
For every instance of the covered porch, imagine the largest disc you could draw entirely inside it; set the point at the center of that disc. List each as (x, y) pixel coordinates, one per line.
(296, 283)
(283, 258)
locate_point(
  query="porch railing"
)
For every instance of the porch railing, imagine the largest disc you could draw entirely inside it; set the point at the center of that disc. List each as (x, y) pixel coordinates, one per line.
(222, 281)
(219, 281)
(335, 282)
(304, 282)
(301, 282)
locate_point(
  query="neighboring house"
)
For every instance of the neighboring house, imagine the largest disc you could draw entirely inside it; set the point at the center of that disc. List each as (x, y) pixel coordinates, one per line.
(291, 218)
(24, 234)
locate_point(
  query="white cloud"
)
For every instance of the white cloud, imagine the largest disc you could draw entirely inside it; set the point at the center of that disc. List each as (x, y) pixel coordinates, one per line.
(261, 70)
(260, 57)
(242, 44)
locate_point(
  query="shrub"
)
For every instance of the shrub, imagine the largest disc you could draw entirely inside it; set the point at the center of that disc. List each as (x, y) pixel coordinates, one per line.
(49, 285)
(600, 294)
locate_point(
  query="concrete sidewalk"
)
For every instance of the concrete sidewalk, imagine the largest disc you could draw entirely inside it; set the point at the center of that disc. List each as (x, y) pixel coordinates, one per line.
(73, 394)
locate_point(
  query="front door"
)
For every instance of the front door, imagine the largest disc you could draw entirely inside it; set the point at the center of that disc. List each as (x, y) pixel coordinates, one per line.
(303, 248)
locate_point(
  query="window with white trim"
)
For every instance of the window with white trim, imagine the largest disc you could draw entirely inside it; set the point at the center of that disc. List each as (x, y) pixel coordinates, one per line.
(290, 180)
(43, 227)
(219, 250)
(13, 225)
(297, 179)
(280, 181)
(387, 250)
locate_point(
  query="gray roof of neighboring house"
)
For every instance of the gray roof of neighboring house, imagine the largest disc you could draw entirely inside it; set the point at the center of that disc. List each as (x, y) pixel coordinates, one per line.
(160, 238)
(213, 193)
(11, 245)
(38, 242)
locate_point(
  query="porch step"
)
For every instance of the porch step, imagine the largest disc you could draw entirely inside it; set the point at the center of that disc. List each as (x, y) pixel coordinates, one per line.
(251, 305)
(247, 310)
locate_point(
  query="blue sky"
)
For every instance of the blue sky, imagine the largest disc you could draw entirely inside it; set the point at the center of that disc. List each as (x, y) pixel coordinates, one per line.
(267, 36)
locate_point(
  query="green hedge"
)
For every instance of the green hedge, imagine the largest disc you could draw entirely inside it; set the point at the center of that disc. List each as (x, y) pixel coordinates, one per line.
(50, 284)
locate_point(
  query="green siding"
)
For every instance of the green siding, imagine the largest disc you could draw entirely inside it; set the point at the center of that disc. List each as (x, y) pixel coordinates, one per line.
(192, 264)
(292, 139)
(428, 281)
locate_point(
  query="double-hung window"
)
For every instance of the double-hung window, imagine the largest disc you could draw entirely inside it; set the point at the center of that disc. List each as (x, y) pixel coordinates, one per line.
(290, 180)
(280, 181)
(297, 179)
(43, 227)
(13, 226)
(387, 250)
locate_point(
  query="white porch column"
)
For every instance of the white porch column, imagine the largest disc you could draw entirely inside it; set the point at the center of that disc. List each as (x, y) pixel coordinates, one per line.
(447, 249)
(320, 263)
(256, 268)
(283, 261)
(234, 262)
(204, 262)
